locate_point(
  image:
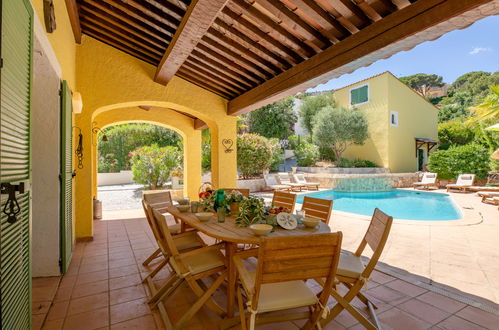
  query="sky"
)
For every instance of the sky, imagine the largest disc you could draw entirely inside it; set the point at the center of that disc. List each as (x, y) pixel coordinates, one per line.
(475, 48)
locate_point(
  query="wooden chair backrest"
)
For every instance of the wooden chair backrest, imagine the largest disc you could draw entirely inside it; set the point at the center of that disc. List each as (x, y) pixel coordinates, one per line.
(166, 242)
(292, 258)
(284, 199)
(150, 220)
(158, 200)
(376, 237)
(317, 208)
(244, 192)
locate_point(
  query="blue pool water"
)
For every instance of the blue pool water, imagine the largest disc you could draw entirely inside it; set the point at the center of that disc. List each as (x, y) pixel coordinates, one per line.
(400, 204)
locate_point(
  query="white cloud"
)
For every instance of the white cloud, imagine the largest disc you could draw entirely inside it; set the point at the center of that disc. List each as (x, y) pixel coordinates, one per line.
(477, 50)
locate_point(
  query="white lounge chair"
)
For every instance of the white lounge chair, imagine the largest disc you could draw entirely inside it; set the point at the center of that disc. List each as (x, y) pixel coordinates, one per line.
(300, 178)
(429, 180)
(271, 182)
(285, 179)
(464, 182)
(484, 188)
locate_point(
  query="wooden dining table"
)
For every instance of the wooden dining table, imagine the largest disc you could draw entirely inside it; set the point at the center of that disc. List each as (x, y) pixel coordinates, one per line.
(232, 235)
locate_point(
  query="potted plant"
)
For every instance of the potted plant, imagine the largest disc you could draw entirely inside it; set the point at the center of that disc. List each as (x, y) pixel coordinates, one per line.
(234, 199)
(250, 211)
(207, 200)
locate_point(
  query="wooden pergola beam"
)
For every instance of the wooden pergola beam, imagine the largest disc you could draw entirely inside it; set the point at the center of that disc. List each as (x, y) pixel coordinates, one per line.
(196, 21)
(333, 62)
(199, 124)
(74, 19)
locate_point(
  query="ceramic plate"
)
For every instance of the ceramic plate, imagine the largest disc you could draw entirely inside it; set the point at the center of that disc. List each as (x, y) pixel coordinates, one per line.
(287, 221)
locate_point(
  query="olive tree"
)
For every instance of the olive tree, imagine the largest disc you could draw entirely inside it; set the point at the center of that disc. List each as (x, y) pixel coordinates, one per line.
(339, 128)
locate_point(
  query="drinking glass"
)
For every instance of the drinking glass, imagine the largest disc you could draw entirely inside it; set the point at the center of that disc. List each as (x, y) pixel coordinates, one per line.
(194, 206)
(300, 214)
(221, 214)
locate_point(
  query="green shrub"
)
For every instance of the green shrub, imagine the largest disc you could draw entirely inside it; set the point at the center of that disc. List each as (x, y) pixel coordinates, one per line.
(364, 163)
(254, 155)
(344, 162)
(326, 153)
(206, 157)
(307, 154)
(294, 141)
(277, 154)
(454, 132)
(152, 165)
(470, 158)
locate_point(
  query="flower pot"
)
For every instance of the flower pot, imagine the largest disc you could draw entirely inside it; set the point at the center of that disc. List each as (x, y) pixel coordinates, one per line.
(234, 208)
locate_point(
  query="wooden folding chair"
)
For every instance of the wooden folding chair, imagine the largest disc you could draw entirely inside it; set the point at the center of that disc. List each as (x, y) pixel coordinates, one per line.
(284, 199)
(189, 267)
(317, 208)
(284, 265)
(244, 192)
(158, 199)
(354, 274)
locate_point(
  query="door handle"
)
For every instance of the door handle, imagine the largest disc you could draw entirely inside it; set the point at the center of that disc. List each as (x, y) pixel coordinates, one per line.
(11, 208)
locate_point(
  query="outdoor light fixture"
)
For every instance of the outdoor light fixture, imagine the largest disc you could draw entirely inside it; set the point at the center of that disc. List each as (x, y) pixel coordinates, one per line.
(96, 130)
(79, 149)
(77, 102)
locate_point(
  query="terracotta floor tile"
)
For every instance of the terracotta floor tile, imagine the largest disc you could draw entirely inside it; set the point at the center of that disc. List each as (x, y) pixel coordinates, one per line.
(89, 289)
(37, 321)
(123, 271)
(58, 310)
(381, 278)
(92, 277)
(93, 259)
(44, 293)
(124, 281)
(387, 295)
(119, 243)
(397, 319)
(129, 310)
(68, 281)
(480, 317)
(141, 323)
(441, 302)
(457, 323)
(121, 262)
(52, 281)
(63, 294)
(94, 267)
(88, 321)
(88, 303)
(126, 294)
(40, 307)
(120, 255)
(406, 288)
(53, 325)
(424, 311)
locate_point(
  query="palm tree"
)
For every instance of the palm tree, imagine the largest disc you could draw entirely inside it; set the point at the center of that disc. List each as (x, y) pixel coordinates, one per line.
(489, 108)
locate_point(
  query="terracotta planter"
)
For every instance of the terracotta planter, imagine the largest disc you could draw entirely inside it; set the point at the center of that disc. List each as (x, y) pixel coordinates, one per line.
(234, 208)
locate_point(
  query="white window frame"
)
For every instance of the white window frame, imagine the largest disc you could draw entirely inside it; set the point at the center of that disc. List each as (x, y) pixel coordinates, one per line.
(396, 115)
(357, 87)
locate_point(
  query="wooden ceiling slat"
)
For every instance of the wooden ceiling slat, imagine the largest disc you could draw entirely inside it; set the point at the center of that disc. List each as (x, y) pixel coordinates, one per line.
(131, 44)
(130, 11)
(220, 74)
(283, 64)
(357, 12)
(368, 10)
(125, 34)
(274, 28)
(167, 6)
(233, 56)
(244, 50)
(294, 56)
(74, 19)
(190, 76)
(389, 5)
(324, 16)
(294, 21)
(207, 60)
(119, 46)
(150, 11)
(212, 77)
(234, 66)
(196, 21)
(109, 14)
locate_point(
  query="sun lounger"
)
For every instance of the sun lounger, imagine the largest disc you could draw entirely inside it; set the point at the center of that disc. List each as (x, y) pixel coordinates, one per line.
(488, 193)
(464, 182)
(271, 182)
(428, 180)
(484, 188)
(300, 178)
(286, 180)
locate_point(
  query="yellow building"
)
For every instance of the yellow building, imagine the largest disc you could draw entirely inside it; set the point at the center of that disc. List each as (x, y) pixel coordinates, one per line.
(402, 124)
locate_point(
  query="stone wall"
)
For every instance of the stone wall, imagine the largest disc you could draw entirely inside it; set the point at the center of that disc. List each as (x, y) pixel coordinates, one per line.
(253, 184)
(330, 181)
(343, 170)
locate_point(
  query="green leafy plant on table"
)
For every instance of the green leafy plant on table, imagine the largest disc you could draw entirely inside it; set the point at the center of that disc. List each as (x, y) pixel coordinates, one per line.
(251, 211)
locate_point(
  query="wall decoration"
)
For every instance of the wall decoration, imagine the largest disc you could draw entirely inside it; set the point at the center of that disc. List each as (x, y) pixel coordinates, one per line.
(49, 15)
(227, 144)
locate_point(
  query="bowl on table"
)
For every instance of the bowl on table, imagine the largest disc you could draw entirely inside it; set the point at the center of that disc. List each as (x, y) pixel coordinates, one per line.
(183, 208)
(183, 201)
(310, 222)
(260, 229)
(204, 216)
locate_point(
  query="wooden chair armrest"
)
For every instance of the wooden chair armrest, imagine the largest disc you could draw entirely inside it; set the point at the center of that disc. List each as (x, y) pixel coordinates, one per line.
(201, 250)
(244, 275)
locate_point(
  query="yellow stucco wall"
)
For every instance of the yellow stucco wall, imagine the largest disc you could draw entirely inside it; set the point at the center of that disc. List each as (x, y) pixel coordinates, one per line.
(417, 118)
(62, 39)
(390, 146)
(376, 146)
(110, 80)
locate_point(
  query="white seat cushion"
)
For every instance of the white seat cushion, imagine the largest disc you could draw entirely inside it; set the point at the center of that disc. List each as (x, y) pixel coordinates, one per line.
(350, 265)
(284, 295)
(201, 262)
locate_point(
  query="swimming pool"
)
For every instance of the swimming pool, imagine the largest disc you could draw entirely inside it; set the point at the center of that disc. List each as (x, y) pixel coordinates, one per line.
(400, 204)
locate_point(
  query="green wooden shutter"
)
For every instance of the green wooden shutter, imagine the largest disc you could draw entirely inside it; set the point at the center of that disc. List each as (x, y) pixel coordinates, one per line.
(15, 158)
(359, 95)
(66, 228)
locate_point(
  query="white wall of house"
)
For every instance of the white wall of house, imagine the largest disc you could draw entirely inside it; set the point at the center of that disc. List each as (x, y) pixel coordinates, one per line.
(107, 179)
(46, 165)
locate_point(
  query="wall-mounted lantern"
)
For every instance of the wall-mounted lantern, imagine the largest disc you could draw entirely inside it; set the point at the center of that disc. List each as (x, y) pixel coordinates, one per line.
(95, 131)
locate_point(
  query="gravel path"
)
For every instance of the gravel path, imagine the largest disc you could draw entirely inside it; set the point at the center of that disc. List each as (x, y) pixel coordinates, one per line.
(121, 197)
